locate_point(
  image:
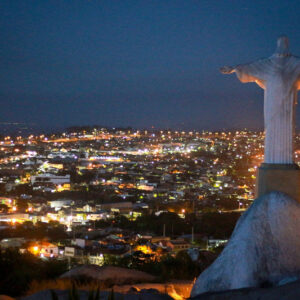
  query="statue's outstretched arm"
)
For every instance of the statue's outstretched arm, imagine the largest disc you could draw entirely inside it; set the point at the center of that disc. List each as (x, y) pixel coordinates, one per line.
(227, 70)
(251, 72)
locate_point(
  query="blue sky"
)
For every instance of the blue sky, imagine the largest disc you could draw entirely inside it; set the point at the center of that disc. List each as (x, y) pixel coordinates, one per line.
(137, 63)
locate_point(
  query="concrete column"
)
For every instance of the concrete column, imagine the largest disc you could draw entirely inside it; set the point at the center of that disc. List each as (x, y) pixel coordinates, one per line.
(283, 178)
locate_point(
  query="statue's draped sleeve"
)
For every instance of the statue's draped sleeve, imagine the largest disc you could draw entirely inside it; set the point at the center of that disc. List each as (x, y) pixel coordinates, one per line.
(252, 72)
(298, 73)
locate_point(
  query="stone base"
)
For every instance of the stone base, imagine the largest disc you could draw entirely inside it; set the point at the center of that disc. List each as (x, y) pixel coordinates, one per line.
(284, 178)
(264, 249)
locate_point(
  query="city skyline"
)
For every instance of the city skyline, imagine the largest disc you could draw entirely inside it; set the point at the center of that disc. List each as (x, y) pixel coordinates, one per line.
(136, 63)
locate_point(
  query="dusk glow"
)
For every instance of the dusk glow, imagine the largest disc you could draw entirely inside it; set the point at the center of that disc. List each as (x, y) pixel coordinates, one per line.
(136, 63)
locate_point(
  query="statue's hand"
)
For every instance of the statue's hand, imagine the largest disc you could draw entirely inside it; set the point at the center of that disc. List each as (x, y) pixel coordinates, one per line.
(226, 70)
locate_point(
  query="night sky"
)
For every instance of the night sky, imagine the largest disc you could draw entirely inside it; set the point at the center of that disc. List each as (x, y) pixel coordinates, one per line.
(137, 63)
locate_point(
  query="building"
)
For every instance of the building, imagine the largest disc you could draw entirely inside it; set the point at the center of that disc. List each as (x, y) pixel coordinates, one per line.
(177, 245)
(49, 180)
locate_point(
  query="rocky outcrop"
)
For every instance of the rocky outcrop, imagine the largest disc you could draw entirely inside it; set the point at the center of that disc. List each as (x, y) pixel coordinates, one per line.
(4, 297)
(263, 250)
(104, 295)
(289, 291)
(115, 275)
(177, 289)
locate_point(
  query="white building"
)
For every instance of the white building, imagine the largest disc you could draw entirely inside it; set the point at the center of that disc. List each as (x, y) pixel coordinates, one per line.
(59, 203)
(50, 178)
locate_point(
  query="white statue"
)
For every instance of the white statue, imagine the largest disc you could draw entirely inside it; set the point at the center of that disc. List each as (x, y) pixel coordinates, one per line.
(279, 76)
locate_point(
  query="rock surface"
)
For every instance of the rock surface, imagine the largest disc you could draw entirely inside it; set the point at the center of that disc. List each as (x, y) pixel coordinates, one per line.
(4, 297)
(116, 275)
(289, 291)
(176, 289)
(264, 248)
(105, 295)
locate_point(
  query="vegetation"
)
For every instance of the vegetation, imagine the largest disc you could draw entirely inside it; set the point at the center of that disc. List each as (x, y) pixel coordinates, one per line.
(81, 283)
(73, 294)
(19, 270)
(52, 230)
(26, 274)
(167, 267)
(210, 224)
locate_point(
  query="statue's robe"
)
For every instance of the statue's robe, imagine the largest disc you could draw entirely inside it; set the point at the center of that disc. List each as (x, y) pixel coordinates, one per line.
(279, 76)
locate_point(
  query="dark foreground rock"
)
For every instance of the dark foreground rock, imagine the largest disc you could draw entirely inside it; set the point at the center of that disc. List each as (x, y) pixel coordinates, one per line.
(83, 295)
(4, 297)
(263, 250)
(114, 274)
(176, 289)
(289, 291)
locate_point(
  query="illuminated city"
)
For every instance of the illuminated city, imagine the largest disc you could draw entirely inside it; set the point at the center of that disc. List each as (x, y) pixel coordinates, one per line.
(98, 181)
(102, 183)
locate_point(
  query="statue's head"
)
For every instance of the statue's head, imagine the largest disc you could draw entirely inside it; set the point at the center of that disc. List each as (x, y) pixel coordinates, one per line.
(282, 46)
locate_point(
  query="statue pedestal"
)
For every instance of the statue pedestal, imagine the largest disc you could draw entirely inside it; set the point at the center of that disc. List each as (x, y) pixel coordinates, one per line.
(278, 177)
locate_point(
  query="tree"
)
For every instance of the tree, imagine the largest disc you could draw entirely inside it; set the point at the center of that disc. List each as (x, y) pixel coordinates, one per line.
(22, 205)
(3, 208)
(19, 270)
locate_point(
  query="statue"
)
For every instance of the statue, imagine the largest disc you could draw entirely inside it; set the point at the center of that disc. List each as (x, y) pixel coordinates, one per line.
(279, 76)
(263, 247)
